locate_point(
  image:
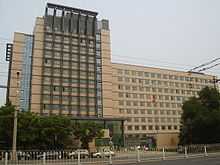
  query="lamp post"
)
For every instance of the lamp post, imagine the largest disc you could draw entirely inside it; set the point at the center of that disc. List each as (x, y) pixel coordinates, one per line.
(14, 144)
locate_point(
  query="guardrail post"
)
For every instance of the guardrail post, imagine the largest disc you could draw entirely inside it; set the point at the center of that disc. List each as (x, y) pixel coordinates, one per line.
(6, 158)
(164, 153)
(110, 158)
(138, 155)
(44, 158)
(186, 155)
(78, 154)
(205, 149)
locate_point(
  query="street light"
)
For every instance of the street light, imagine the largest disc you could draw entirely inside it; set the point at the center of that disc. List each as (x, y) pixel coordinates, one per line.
(14, 144)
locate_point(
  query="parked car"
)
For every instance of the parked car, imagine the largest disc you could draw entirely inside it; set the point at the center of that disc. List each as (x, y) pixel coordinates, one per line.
(105, 153)
(83, 154)
(50, 155)
(146, 148)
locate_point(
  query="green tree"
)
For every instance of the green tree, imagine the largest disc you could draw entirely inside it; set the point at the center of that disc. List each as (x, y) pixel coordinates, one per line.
(86, 132)
(27, 133)
(201, 118)
(54, 132)
(44, 132)
(6, 125)
(34, 132)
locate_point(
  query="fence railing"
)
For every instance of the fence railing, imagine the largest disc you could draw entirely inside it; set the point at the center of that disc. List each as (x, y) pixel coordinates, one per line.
(81, 157)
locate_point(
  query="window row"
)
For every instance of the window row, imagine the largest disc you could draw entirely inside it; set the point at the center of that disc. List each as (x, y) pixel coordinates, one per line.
(67, 63)
(66, 39)
(68, 107)
(150, 97)
(74, 72)
(159, 90)
(151, 127)
(149, 104)
(147, 82)
(151, 120)
(149, 111)
(67, 89)
(163, 76)
(74, 99)
(49, 80)
(68, 56)
(66, 48)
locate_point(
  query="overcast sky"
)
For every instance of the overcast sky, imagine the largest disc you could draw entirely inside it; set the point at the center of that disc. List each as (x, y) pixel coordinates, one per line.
(176, 34)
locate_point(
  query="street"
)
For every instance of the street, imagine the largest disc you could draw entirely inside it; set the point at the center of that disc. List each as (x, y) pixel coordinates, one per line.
(213, 160)
(196, 159)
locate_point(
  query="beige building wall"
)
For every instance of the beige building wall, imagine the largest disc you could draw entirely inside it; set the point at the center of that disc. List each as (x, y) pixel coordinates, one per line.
(16, 68)
(37, 65)
(167, 140)
(151, 99)
(109, 108)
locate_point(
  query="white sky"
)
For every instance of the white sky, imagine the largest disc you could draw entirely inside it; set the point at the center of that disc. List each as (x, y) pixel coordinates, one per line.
(178, 34)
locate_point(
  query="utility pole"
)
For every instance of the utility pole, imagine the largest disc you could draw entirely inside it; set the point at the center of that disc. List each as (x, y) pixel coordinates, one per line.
(14, 144)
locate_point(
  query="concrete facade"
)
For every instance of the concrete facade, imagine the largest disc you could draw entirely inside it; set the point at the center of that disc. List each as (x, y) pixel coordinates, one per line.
(107, 77)
(37, 66)
(66, 64)
(72, 74)
(20, 70)
(151, 100)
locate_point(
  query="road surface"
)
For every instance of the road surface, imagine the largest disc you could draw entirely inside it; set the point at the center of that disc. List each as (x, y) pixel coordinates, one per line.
(127, 159)
(213, 160)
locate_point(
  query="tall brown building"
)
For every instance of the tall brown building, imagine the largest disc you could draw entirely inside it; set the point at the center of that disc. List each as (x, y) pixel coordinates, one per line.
(65, 68)
(60, 65)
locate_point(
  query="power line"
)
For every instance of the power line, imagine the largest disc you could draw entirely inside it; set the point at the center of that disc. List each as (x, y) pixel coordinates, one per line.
(206, 68)
(131, 58)
(202, 65)
(136, 58)
(153, 60)
(128, 61)
(5, 73)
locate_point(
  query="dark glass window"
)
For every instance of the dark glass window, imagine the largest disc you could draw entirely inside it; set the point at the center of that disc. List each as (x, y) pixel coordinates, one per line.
(82, 24)
(90, 26)
(74, 23)
(66, 26)
(58, 21)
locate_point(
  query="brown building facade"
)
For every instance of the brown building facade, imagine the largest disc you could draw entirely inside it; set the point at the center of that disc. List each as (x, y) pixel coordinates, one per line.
(65, 63)
(151, 99)
(65, 68)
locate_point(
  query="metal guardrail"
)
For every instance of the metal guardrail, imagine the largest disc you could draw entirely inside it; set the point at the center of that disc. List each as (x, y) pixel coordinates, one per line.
(136, 156)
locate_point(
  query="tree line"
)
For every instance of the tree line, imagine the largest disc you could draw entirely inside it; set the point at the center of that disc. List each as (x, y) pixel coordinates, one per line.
(45, 132)
(200, 122)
